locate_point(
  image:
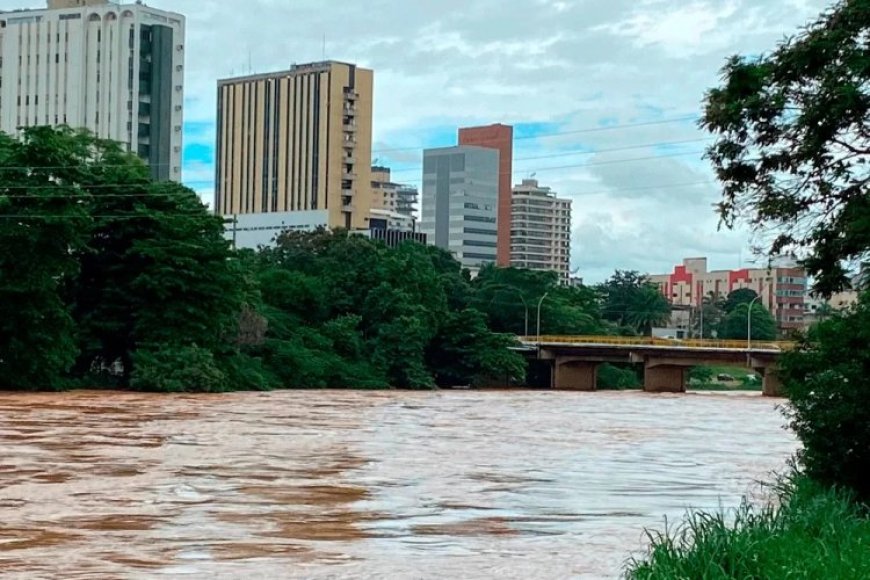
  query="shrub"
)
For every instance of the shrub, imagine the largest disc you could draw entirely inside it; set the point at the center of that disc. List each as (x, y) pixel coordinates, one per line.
(177, 369)
(247, 373)
(828, 383)
(611, 377)
(701, 375)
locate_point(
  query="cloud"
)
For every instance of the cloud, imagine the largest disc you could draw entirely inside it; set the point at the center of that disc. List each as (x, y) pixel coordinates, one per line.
(590, 71)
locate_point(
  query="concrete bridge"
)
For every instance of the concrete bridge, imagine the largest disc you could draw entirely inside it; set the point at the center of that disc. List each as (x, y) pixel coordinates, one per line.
(574, 360)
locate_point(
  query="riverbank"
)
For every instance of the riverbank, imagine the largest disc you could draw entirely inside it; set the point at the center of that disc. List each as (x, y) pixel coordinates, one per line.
(814, 532)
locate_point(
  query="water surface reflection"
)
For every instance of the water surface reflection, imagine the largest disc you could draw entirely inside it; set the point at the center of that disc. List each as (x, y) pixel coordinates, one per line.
(342, 484)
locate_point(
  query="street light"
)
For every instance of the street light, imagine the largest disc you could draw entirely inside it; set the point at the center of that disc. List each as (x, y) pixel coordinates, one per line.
(540, 303)
(525, 304)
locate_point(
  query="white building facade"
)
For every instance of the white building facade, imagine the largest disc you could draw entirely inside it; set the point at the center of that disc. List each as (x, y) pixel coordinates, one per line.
(115, 69)
(540, 230)
(253, 230)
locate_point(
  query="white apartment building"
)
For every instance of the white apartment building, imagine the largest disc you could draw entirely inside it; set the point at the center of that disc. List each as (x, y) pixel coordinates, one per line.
(115, 69)
(540, 230)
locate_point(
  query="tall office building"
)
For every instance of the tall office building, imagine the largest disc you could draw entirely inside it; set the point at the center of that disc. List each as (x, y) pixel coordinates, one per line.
(501, 138)
(460, 202)
(115, 69)
(297, 140)
(540, 230)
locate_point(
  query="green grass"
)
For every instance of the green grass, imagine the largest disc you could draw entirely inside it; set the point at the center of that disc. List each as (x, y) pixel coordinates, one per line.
(741, 381)
(815, 533)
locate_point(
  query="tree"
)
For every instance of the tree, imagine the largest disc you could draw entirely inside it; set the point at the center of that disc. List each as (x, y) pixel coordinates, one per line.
(709, 319)
(42, 223)
(793, 140)
(735, 324)
(630, 299)
(828, 384)
(738, 297)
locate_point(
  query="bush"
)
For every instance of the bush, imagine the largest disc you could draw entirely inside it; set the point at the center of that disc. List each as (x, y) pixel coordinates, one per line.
(816, 532)
(247, 373)
(828, 383)
(612, 377)
(701, 375)
(177, 369)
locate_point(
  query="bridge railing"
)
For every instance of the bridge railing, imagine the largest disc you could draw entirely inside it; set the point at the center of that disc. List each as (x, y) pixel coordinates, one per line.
(654, 341)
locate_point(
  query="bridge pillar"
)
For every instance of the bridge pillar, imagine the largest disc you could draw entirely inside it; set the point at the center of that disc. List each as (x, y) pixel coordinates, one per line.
(664, 379)
(772, 385)
(575, 375)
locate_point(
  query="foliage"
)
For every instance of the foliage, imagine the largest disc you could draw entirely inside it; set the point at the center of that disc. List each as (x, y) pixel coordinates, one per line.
(396, 317)
(465, 352)
(39, 229)
(709, 320)
(813, 532)
(793, 142)
(828, 383)
(739, 297)
(701, 375)
(631, 300)
(618, 377)
(735, 325)
(173, 368)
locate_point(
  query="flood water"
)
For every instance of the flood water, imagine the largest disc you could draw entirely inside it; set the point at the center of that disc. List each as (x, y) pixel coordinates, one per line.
(458, 484)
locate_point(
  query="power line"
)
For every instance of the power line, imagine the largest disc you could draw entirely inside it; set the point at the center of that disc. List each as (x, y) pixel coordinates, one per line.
(574, 132)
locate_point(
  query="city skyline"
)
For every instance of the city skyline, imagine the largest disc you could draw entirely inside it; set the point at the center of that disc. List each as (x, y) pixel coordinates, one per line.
(563, 67)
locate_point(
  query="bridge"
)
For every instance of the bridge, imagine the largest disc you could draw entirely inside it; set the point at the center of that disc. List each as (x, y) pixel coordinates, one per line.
(574, 360)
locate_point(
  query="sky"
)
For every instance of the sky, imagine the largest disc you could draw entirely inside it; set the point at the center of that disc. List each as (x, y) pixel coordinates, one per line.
(604, 96)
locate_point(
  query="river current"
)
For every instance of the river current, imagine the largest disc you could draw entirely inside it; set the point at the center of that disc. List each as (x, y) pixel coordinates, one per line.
(345, 484)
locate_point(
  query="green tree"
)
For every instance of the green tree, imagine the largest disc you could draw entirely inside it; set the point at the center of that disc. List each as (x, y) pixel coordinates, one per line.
(43, 222)
(793, 139)
(465, 352)
(708, 320)
(739, 297)
(631, 300)
(828, 383)
(734, 326)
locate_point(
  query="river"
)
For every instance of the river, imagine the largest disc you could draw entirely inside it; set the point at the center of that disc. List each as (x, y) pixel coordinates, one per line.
(342, 484)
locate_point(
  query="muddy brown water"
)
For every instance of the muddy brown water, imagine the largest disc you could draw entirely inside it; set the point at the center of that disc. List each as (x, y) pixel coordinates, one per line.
(339, 484)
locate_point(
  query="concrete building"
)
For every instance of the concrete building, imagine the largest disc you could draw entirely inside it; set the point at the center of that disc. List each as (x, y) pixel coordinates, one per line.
(540, 230)
(501, 138)
(818, 309)
(460, 202)
(261, 229)
(115, 69)
(297, 140)
(783, 288)
(390, 196)
(392, 220)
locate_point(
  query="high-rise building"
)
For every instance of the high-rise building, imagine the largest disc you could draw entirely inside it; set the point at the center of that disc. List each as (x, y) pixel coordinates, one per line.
(297, 140)
(540, 230)
(390, 196)
(501, 138)
(783, 288)
(460, 202)
(115, 69)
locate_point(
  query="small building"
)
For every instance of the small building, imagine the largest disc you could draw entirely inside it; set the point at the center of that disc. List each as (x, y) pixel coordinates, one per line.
(253, 230)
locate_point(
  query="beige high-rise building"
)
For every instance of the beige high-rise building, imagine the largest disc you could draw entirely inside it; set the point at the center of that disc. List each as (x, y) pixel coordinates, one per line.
(540, 229)
(297, 140)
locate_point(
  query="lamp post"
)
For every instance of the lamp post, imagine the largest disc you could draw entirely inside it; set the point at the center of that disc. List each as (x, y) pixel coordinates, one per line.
(540, 303)
(525, 304)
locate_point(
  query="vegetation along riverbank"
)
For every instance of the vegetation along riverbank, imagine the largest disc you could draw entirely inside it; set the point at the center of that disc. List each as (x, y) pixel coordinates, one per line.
(793, 140)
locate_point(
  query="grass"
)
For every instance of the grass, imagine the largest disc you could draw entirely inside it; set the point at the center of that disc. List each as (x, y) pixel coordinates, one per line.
(814, 533)
(742, 380)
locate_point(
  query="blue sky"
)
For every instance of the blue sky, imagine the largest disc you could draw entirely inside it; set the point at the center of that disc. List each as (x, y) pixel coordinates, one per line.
(642, 196)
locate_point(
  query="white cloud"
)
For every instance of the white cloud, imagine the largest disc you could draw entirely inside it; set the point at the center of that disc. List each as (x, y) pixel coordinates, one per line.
(573, 63)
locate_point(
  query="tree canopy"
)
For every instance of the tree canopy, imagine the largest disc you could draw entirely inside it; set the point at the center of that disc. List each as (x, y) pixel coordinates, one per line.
(793, 143)
(633, 303)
